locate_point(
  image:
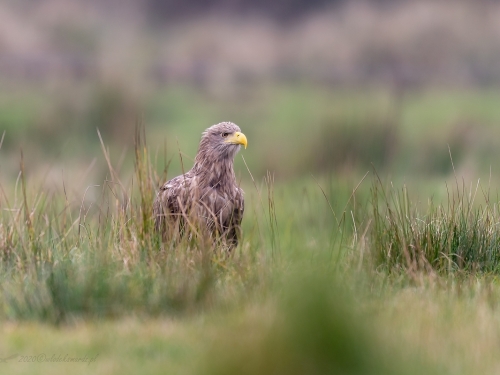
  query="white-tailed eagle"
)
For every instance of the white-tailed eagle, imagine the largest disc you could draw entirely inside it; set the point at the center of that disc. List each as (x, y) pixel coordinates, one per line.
(207, 198)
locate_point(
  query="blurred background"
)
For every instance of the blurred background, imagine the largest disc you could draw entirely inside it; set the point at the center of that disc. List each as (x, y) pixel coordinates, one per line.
(319, 87)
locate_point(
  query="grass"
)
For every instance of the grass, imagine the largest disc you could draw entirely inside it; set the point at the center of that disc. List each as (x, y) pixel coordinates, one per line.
(314, 329)
(334, 273)
(328, 125)
(457, 235)
(63, 262)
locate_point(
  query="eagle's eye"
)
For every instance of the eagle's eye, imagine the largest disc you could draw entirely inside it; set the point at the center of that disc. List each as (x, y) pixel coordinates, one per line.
(224, 135)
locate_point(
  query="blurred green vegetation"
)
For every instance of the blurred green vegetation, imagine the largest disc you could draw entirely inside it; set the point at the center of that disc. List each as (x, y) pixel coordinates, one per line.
(293, 131)
(315, 330)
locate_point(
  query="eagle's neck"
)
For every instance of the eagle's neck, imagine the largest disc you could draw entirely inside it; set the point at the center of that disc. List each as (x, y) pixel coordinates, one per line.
(215, 173)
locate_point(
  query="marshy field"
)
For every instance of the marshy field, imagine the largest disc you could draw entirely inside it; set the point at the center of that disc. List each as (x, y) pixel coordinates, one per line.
(370, 240)
(369, 246)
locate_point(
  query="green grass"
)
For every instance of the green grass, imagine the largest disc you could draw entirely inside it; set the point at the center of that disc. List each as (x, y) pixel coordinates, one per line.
(456, 235)
(298, 129)
(335, 273)
(106, 292)
(62, 262)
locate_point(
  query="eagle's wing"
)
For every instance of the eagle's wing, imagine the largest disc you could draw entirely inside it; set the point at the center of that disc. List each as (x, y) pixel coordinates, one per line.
(219, 212)
(231, 221)
(168, 201)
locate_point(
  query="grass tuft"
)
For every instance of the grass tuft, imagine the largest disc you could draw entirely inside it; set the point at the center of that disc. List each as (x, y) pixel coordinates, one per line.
(457, 236)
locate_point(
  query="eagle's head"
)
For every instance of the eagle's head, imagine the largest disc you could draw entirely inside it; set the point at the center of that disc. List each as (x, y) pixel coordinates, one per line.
(221, 142)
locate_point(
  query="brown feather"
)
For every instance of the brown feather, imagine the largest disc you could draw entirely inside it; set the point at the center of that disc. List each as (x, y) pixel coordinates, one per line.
(207, 197)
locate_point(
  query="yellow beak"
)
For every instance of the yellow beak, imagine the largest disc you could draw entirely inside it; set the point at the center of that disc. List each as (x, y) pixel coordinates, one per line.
(238, 139)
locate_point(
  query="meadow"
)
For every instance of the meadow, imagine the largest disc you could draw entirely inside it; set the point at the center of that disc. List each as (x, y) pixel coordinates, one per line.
(370, 237)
